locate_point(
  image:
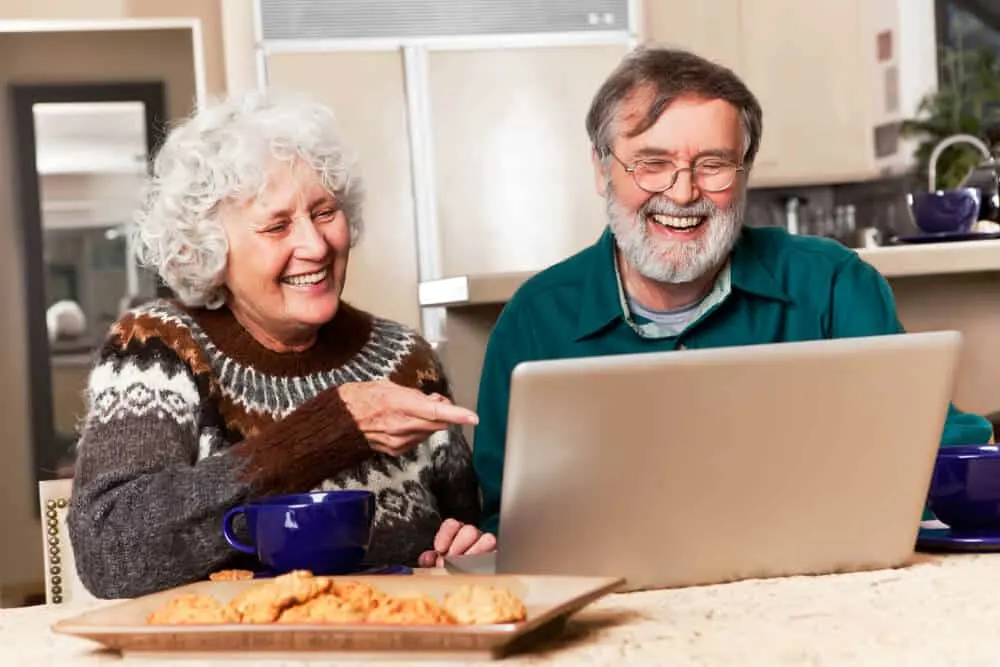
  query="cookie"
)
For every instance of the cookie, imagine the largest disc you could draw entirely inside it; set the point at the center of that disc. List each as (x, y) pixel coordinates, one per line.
(325, 608)
(476, 605)
(410, 610)
(231, 575)
(192, 610)
(264, 602)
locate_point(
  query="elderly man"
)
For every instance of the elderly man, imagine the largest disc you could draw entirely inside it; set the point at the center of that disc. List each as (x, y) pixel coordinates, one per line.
(674, 138)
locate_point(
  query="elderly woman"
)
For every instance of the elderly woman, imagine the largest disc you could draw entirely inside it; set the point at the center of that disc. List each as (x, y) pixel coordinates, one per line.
(259, 380)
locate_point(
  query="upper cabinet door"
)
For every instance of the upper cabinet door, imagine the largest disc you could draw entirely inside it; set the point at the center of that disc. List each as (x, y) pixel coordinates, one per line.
(367, 92)
(808, 64)
(710, 28)
(515, 186)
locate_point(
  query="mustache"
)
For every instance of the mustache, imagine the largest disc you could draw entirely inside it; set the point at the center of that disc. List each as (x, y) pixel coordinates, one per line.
(660, 205)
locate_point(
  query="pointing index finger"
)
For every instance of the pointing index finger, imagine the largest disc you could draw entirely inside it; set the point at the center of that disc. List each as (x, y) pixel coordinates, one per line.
(438, 411)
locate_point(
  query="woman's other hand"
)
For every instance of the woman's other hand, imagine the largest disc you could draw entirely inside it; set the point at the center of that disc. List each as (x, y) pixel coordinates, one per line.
(455, 538)
(395, 419)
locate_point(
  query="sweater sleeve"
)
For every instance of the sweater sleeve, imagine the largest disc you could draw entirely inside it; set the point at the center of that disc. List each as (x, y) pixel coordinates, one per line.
(453, 481)
(151, 484)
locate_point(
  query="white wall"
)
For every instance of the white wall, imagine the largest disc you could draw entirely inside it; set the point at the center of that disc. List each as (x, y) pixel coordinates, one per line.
(917, 47)
(918, 50)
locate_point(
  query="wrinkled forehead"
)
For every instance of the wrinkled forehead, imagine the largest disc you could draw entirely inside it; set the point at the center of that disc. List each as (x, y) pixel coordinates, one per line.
(280, 178)
(685, 124)
(279, 185)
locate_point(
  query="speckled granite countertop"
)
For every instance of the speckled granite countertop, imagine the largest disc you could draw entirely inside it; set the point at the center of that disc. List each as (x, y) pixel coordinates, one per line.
(943, 611)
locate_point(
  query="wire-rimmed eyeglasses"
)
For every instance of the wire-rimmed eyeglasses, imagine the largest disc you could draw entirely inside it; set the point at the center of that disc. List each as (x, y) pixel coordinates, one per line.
(711, 174)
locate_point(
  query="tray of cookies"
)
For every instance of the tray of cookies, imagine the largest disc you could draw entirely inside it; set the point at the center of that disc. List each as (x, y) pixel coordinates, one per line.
(453, 616)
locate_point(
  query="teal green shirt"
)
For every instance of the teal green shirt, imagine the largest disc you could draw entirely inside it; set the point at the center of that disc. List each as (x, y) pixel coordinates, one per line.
(782, 288)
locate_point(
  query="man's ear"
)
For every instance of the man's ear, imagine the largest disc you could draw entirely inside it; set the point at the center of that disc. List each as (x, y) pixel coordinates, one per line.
(600, 177)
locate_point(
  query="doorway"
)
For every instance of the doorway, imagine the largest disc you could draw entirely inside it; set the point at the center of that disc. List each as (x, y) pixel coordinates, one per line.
(81, 152)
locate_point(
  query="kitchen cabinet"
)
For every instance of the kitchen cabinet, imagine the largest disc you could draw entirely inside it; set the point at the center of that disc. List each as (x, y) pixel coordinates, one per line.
(511, 156)
(806, 63)
(831, 100)
(711, 29)
(382, 275)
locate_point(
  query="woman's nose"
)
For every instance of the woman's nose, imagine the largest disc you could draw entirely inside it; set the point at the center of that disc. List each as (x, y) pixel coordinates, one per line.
(309, 242)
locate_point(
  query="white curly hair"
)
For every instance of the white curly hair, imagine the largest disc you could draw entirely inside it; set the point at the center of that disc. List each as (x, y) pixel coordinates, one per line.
(222, 153)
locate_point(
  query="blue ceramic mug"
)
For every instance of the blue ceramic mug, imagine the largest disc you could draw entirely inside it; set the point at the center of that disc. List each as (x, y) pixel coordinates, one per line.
(325, 532)
(965, 488)
(945, 211)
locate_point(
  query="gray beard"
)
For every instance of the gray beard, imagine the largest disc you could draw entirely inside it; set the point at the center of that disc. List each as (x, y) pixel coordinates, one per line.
(676, 262)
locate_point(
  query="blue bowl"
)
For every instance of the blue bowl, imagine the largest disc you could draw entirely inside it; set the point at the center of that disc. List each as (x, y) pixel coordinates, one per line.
(326, 532)
(945, 211)
(965, 488)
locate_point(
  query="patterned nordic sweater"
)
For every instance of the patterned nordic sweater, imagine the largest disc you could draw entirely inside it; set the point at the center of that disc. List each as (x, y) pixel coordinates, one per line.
(190, 416)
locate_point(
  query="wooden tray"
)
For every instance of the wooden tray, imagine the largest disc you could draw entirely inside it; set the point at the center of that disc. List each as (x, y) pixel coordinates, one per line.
(550, 601)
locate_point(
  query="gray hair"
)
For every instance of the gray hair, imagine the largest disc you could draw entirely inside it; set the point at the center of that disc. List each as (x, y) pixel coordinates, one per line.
(220, 154)
(669, 74)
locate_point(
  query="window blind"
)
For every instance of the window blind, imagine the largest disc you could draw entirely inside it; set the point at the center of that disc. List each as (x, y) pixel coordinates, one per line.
(357, 19)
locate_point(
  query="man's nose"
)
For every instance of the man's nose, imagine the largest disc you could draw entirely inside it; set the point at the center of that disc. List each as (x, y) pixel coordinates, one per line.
(685, 190)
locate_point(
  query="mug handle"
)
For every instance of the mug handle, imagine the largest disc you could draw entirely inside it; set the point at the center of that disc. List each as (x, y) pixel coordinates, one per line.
(227, 531)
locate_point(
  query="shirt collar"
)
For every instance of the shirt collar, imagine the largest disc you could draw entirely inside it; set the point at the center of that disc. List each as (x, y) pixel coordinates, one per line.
(601, 303)
(600, 306)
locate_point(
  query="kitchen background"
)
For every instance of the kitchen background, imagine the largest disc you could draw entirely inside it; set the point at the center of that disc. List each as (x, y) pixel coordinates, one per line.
(467, 117)
(963, 31)
(836, 162)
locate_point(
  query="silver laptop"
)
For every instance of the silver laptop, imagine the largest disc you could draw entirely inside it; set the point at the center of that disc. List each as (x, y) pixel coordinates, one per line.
(704, 466)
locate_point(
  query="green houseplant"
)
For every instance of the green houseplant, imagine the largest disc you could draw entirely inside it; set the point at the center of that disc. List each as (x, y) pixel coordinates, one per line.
(966, 102)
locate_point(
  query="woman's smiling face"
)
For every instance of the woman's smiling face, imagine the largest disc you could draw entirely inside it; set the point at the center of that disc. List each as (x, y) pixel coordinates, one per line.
(287, 262)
